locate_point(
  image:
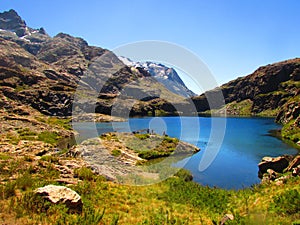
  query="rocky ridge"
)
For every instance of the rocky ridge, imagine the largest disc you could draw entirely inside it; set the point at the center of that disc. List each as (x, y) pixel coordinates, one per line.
(165, 75)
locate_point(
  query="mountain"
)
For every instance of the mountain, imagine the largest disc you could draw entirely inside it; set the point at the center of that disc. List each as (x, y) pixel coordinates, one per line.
(271, 90)
(44, 72)
(165, 75)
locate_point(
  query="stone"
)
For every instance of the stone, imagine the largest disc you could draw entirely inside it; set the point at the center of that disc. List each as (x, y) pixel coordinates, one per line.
(296, 171)
(272, 174)
(277, 164)
(226, 218)
(60, 194)
(294, 163)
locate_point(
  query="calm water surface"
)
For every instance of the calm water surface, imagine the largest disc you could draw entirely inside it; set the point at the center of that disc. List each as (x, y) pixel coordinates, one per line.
(246, 141)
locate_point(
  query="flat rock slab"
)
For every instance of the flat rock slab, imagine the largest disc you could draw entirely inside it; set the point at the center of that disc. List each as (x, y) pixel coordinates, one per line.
(60, 194)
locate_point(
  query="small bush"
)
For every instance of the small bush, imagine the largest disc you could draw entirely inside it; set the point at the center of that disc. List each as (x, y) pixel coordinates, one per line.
(152, 154)
(116, 152)
(85, 174)
(184, 175)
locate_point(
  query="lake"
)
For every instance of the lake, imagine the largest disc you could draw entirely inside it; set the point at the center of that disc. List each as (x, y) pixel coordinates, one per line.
(230, 147)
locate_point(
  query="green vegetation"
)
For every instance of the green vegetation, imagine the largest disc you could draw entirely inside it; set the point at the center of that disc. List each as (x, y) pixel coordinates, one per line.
(61, 122)
(268, 113)
(287, 202)
(85, 174)
(291, 132)
(116, 152)
(27, 134)
(240, 108)
(48, 137)
(21, 87)
(153, 146)
(147, 146)
(176, 200)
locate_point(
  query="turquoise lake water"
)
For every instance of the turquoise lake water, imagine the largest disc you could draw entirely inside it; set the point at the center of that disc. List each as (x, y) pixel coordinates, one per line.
(238, 143)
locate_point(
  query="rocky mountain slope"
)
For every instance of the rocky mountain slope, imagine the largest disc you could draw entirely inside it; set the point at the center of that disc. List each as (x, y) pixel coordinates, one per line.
(272, 90)
(44, 72)
(165, 75)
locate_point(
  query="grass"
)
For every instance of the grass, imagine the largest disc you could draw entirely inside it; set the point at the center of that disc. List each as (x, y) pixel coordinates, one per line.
(61, 122)
(147, 146)
(49, 137)
(176, 200)
(291, 132)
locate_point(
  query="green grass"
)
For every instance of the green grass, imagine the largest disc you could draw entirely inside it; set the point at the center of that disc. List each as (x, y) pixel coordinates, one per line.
(85, 174)
(291, 132)
(49, 137)
(61, 122)
(147, 146)
(27, 134)
(176, 200)
(287, 202)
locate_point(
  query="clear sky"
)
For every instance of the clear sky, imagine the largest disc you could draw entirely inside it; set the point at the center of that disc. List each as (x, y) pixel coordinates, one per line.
(233, 37)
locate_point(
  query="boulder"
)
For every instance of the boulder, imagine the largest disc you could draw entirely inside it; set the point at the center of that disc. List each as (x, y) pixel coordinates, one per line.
(60, 194)
(277, 164)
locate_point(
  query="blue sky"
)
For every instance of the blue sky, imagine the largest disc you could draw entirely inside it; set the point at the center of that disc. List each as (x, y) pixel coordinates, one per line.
(232, 37)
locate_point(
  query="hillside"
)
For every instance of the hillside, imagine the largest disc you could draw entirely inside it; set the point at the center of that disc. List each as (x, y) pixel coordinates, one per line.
(44, 72)
(39, 76)
(272, 90)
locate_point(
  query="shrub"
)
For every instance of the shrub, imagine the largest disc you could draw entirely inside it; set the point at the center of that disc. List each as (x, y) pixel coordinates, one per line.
(85, 174)
(184, 175)
(116, 152)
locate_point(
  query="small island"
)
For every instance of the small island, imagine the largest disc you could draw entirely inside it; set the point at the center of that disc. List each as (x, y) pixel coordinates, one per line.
(120, 155)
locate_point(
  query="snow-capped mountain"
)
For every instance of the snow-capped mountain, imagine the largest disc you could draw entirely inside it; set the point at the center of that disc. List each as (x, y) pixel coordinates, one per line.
(165, 75)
